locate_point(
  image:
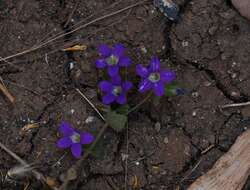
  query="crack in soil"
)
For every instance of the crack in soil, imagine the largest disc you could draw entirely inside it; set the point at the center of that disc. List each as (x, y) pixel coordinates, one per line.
(219, 84)
(194, 160)
(34, 134)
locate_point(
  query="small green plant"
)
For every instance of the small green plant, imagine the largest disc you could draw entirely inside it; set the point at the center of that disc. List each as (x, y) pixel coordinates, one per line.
(155, 80)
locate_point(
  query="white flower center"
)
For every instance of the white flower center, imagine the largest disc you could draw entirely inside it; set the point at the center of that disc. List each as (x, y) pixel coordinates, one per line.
(154, 77)
(117, 90)
(112, 60)
(75, 138)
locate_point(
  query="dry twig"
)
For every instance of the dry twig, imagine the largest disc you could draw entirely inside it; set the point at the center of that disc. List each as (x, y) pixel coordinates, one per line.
(74, 30)
(235, 105)
(91, 104)
(71, 14)
(208, 149)
(7, 93)
(37, 175)
(231, 171)
(193, 169)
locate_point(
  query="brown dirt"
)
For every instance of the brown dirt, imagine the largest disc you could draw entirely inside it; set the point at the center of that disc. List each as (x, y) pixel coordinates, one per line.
(208, 48)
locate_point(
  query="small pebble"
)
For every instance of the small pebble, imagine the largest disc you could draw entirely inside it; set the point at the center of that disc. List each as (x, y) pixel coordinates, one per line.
(89, 119)
(71, 65)
(195, 94)
(72, 111)
(194, 113)
(165, 140)
(235, 94)
(184, 43)
(207, 83)
(241, 79)
(233, 75)
(157, 126)
(124, 156)
(164, 172)
(144, 50)
(234, 64)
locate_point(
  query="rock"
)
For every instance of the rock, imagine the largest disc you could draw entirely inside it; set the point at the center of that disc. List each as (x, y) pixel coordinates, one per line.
(243, 7)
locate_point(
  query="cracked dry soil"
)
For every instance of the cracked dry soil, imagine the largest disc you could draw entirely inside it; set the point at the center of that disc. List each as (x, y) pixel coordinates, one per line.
(208, 48)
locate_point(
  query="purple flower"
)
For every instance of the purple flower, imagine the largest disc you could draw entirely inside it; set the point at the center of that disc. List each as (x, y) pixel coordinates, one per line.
(73, 138)
(153, 77)
(112, 58)
(115, 90)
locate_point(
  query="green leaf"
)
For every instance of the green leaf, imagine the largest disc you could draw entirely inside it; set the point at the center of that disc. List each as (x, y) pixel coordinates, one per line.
(173, 90)
(123, 109)
(98, 150)
(117, 121)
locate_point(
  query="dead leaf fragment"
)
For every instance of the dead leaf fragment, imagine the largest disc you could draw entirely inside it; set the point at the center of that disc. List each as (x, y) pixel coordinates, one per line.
(135, 182)
(7, 93)
(51, 182)
(30, 126)
(76, 48)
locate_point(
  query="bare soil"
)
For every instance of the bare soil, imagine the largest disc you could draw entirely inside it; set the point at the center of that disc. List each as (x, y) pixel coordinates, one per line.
(169, 143)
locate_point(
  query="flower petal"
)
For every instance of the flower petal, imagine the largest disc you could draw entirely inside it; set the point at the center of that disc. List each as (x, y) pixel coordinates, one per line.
(167, 76)
(145, 85)
(64, 142)
(87, 138)
(118, 50)
(113, 70)
(126, 86)
(104, 50)
(76, 150)
(155, 64)
(159, 88)
(105, 86)
(100, 63)
(121, 99)
(142, 71)
(108, 98)
(116, 80)
(65, 128)
(124, 61)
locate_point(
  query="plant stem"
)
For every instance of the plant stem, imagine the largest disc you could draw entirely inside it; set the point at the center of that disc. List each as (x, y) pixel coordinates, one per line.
(73, 169)
(105, 126)
(103, 129)
(140, 103)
